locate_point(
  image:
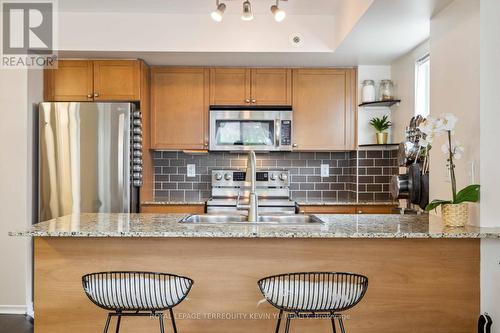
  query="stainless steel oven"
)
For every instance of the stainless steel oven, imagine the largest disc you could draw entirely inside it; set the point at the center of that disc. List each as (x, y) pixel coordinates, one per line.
(258, 128)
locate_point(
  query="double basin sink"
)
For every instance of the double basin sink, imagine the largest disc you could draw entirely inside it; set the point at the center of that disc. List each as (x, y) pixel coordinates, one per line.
(285, 219)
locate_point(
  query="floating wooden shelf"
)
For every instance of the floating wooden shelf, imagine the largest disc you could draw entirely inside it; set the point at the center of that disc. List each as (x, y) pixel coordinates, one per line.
(387, 103)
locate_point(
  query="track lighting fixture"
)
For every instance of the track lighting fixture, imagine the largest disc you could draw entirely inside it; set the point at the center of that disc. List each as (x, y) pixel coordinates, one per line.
(279, 14)
(247, 14)
(217, 14)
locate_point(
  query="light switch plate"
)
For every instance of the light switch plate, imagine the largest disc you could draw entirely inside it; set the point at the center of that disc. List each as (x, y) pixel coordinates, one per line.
(191, 170)
(325, 170)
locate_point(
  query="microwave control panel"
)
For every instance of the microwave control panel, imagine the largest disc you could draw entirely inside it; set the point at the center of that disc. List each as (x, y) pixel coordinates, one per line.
(286, 133)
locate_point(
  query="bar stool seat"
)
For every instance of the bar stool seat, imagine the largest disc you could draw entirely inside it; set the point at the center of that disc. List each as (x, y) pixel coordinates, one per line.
(313, 294)
(136, 294)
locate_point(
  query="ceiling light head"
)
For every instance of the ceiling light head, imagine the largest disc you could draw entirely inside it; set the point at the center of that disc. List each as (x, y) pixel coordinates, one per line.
(217, 14)
(247, 11)
(279, 14)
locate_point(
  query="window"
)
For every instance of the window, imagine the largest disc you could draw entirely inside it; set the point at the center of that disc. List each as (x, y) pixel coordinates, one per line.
(422, 86)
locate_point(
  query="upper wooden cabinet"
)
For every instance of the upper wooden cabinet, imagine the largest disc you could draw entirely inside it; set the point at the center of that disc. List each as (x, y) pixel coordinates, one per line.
(179, 98)
(323, 109)
(244, 86)
(71, 81)
(93, 80)
(117, 80)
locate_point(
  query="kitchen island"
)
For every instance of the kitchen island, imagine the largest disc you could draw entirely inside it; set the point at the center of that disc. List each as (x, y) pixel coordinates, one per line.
(423, 277)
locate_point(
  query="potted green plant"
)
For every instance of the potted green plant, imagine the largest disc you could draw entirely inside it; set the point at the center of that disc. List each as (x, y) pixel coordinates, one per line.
(381, 125)
(455, 212)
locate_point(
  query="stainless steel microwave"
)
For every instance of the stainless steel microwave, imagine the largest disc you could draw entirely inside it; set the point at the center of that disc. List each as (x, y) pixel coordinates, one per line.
(258, 128)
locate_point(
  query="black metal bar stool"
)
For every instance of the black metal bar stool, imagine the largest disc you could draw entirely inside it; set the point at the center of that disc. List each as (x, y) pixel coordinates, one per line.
(313, 295)
(136, 294)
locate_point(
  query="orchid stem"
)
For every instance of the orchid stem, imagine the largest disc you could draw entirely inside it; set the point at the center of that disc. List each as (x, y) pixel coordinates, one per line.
(452, 169)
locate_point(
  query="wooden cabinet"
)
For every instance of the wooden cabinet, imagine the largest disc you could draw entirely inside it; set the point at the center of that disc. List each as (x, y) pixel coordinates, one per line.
(179, 98)
(229, 86)
(244, 86)
(348, 209)
(271, 86)
(172, 209)
(116, 80)
(324, 109)
(71, 81)
(93, 80)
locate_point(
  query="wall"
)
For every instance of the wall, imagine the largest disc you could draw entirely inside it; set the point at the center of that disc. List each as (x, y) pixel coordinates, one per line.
(15, 212)
(454, 49)
(366, 133)
(490, 179)
(403, 75)
(306, 184)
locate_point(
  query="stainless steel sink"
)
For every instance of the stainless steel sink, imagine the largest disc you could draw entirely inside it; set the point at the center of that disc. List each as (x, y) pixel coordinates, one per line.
(298, 219)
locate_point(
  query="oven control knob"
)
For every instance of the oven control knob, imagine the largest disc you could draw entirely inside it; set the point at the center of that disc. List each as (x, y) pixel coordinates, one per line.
(283, 177)
(273, 176)
(227, 176)
(218, 176)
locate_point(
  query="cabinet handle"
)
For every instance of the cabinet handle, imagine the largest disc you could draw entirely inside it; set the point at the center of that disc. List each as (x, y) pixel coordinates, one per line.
(360, 212)
(295, 145)
(247, 100)
(253, 101)
(89, 96)
(96, 95)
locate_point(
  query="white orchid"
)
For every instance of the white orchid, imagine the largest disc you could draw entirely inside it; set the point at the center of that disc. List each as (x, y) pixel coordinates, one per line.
(449, 121)
(434, 126)
(457, 149)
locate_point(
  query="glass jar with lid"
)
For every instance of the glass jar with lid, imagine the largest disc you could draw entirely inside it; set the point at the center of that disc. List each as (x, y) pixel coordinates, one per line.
(386, 90)
(368, 91)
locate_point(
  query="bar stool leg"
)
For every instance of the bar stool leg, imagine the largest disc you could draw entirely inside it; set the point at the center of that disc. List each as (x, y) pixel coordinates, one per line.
(279, 322)
(287, 327)
(332, 317)
(173, 320)
(341, 324)
(118, 323)
(107, 323)
(160, 318)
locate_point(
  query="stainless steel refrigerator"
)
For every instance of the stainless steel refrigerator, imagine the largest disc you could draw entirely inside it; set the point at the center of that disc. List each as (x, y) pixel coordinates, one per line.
(90, 158)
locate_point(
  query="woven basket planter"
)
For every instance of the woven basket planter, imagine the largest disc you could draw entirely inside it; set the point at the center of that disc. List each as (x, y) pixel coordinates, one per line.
(455, 215)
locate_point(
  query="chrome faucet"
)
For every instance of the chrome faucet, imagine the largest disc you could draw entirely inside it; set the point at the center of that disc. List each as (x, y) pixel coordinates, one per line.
(253, 199)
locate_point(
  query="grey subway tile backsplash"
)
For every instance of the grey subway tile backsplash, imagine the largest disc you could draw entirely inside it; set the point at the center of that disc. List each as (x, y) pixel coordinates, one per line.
(362, 175)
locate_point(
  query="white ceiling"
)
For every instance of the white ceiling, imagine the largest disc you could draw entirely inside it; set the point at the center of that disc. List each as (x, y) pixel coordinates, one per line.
(295, 7)
(386, 30)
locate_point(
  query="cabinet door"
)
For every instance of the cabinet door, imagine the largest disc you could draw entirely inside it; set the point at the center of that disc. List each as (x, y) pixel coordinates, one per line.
(117, 80)
(179, 100)
(229, 86)
(271, 86)
(71, 81)
(323, 109)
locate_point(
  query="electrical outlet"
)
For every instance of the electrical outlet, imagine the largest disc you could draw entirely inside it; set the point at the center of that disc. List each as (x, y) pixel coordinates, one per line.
(191, 170)
(325, 170)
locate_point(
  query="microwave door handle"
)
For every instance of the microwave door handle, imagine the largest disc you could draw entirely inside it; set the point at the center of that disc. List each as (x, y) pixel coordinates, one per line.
(277, 132)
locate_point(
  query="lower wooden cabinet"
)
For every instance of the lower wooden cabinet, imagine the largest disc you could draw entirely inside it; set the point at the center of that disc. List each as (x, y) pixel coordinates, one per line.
(179, 108)
(173, 209)
(348, 209)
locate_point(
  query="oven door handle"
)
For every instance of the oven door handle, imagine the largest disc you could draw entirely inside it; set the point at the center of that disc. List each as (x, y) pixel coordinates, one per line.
(277, 131)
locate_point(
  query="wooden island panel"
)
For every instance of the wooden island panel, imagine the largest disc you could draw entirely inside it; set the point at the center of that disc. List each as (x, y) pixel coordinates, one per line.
(419, 285)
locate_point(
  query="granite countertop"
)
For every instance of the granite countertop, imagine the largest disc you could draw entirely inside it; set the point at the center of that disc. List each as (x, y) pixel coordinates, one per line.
(166, 202)
(346, 203)
(333, 226)
(300, 202)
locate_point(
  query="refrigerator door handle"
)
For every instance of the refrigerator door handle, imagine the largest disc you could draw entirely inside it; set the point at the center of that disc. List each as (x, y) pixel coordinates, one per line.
(121, 161)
